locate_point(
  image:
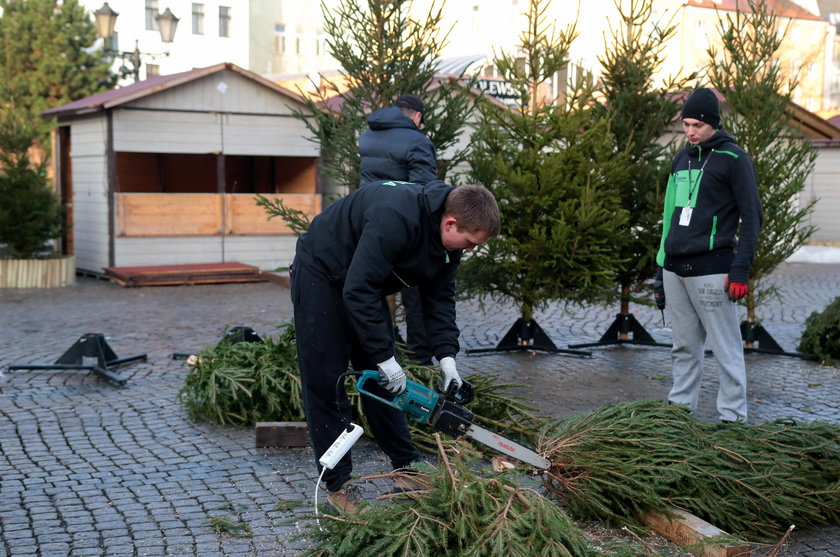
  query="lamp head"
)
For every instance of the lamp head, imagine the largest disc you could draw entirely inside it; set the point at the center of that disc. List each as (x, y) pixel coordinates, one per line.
(106, 19)
(167, 23)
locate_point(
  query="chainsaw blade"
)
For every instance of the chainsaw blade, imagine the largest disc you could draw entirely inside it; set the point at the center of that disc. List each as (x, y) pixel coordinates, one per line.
(508, 447)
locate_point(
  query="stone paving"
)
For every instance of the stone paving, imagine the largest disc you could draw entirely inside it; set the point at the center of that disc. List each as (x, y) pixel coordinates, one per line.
(91, 469)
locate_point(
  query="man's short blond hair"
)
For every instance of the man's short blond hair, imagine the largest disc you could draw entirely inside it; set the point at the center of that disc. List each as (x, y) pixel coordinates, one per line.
(475, 209)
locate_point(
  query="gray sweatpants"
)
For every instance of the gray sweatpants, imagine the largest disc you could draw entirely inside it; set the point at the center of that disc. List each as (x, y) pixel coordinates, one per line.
(700, 310)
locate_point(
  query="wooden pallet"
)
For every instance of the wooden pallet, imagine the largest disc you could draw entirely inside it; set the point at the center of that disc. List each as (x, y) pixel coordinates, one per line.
(199, 273)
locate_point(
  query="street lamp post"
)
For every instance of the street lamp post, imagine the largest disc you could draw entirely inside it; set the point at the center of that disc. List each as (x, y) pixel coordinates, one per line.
(106, 20)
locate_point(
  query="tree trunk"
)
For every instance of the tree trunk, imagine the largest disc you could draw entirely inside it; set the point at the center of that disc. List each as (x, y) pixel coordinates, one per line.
(527, 311)
(625, 306)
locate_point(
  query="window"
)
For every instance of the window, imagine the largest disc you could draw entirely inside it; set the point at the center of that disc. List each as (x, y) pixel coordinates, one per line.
(224, 21)
(151, 13)
(152, 69)
(198, 19)
(279, 38)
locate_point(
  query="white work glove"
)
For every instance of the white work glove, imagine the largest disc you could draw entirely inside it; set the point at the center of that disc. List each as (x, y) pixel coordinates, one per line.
(391, 376)
(450, 374)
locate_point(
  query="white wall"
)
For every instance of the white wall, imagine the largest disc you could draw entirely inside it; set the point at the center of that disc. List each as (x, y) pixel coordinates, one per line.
(166, 132)
(188, 50)
(265, 252)
(140, 252)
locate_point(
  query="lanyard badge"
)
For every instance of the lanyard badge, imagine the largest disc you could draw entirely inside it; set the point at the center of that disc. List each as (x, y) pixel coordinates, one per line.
(685, 216)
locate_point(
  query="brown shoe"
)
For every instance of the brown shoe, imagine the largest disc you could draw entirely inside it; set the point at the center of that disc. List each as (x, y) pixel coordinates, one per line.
(406, 479)
(347, 499)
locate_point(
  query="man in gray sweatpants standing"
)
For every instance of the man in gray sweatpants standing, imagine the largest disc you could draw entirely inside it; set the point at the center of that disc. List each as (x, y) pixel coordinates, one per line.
(704, 258)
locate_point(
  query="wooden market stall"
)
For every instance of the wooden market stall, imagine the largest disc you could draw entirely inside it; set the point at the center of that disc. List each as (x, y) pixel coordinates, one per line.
(165, 171)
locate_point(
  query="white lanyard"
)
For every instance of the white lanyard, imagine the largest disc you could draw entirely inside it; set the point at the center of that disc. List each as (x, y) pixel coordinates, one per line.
(692, 184)
(685, 213)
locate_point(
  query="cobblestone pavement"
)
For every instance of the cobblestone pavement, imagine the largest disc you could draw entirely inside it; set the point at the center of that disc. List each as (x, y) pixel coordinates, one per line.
(91, 469)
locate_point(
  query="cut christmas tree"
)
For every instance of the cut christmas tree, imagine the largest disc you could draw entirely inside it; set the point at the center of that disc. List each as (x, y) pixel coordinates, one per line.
(754, 481)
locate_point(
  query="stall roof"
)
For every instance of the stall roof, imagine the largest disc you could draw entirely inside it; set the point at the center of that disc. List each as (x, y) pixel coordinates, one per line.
(155, 84)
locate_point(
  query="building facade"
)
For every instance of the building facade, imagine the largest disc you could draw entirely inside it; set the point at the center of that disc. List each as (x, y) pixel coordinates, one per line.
(263, 36)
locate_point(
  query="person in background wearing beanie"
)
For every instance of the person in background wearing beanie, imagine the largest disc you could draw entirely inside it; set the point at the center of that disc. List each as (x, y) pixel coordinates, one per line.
(394, 148)
(361, 248)
(704, 259)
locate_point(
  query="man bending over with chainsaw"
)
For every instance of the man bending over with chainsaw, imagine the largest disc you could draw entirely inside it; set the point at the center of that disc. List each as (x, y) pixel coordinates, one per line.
(375, 241)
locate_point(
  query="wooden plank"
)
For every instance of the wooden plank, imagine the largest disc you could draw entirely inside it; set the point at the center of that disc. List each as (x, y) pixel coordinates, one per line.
(281, 434)
(197, 273)
(169, 214)
(687, 529)
(244, 217)
(185, 214)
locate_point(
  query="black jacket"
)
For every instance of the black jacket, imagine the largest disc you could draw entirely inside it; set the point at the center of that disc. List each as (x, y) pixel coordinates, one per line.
(717, 180)
(392, 148)
(378, 240)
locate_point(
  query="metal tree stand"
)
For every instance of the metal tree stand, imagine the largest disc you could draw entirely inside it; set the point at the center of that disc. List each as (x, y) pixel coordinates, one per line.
(624, 325)
(232, 336)
(753, 333)
(526, 336)
(90, 345)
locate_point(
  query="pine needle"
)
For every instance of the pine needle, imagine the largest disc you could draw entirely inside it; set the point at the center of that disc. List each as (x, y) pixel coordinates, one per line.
(616, 463)
(461, 514)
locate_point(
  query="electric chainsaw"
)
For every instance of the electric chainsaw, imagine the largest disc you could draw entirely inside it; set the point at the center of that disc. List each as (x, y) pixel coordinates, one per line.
(446, 413)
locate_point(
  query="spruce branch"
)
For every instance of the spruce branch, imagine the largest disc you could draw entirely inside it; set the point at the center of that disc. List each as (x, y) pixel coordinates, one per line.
(749, 480)
(295, 219)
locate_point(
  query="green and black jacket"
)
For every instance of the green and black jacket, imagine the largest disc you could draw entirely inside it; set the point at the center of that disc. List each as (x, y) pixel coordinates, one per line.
(717, 180)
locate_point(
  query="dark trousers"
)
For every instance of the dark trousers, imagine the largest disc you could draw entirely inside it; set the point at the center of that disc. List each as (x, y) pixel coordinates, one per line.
(417, 342)
(326, 342)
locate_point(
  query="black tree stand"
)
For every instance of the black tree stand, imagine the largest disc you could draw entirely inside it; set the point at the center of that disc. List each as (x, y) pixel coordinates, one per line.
(625, 328)
(619, 332)
(526, 336)
(754, 334)
(90, 345)
(232, 336)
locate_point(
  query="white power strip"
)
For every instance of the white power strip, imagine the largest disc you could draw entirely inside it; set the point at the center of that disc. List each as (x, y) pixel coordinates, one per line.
(340, 446)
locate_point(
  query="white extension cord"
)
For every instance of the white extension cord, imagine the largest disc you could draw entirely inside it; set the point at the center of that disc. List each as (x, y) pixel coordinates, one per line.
(334, 454)
(340, 446)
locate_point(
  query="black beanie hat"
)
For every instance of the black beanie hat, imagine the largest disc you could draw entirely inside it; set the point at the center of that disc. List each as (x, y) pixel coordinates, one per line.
(703, 105)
